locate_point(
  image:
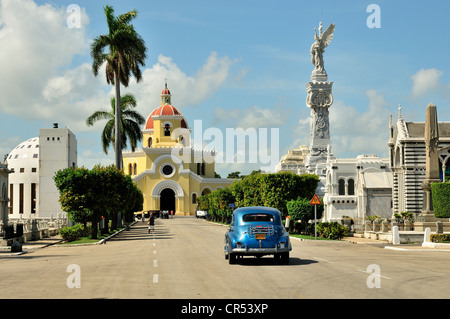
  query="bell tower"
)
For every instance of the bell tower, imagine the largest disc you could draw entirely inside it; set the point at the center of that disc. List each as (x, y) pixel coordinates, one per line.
(166, 96)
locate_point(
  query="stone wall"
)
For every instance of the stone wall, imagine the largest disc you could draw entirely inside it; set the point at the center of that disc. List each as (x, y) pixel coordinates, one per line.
(36, 228)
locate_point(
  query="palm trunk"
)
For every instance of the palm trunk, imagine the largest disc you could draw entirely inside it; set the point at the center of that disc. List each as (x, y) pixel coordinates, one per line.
(117, 132)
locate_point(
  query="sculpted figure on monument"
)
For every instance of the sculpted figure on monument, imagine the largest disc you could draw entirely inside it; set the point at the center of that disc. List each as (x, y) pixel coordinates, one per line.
(322, 40)
(321, 127)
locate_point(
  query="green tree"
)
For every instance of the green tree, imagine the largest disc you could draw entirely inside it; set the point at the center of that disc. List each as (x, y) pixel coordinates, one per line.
(273, 190)
(88, 195)
(301, 210)
(130, 122)
(127, 52)
(234, 175)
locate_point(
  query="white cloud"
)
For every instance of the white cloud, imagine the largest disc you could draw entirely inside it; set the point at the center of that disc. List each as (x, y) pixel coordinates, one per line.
(36, 43)
(186, 90)
(39, 83)
(425, 81)
(252, 117)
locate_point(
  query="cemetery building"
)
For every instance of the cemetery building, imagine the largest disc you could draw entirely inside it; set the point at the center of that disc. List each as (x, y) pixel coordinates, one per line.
(169, 172)
(357, 188)
(294, 160)
(407, 159)
(32, 191)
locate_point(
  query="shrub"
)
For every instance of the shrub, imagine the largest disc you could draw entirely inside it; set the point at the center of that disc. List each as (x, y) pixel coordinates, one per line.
(72, 233)
(440, 193)
(439, 238)
(332, 230)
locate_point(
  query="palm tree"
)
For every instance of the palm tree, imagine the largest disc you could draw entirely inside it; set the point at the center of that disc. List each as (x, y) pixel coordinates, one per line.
(130, 122)
(127, 52)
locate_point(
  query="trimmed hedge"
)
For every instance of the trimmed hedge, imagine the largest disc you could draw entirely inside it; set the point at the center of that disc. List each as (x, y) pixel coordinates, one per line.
(440, 193)
(74, 232)
(439, 238)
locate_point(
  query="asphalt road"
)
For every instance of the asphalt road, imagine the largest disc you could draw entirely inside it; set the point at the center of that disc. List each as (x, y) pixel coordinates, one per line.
(184, 259)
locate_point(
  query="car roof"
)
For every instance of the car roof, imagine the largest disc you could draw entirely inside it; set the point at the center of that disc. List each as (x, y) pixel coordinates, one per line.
(256, 209)
(239, 212)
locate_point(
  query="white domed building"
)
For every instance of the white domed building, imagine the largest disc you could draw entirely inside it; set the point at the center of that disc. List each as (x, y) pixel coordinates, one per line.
(32, 191)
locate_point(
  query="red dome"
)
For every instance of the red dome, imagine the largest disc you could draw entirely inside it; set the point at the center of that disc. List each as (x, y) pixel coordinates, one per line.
(164, 110)
(165, 91)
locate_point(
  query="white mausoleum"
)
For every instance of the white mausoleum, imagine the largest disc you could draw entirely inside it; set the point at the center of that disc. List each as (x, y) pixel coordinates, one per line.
(357, 188)
(32, 191)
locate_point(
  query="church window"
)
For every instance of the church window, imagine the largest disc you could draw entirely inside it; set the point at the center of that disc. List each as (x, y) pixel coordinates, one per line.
(149, 142)
(167, 170)
(203, 168)
(129, 169)
(134, 169)
(194, 198)
(341, 188)
(167, 130)
(351, 187)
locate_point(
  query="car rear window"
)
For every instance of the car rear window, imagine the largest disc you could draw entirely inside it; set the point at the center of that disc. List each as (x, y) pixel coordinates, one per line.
(258, 217)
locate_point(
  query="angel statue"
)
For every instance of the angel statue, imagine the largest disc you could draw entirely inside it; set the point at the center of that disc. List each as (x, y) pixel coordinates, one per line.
(318, 47)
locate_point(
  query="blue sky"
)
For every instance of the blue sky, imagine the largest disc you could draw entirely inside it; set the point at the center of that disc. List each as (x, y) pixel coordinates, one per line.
(230, 64)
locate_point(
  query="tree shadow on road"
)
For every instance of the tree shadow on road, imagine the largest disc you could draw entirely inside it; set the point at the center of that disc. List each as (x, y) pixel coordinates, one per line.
(139, 231)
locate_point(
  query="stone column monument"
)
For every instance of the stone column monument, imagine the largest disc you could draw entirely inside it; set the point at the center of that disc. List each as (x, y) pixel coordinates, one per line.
(426, 218)
(319, 99)
(432, 160)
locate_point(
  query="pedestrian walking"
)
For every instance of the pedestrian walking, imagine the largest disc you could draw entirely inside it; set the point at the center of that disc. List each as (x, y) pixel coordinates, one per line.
(151, 224)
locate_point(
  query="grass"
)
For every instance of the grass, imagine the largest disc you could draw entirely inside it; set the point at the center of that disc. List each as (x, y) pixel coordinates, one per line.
(89, 240)
(308, 237)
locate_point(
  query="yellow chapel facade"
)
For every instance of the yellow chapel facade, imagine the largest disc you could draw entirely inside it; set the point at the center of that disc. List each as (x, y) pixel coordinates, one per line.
(168, 171)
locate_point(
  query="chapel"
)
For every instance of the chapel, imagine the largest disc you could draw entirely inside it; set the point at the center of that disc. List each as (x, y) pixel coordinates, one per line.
(170, 173)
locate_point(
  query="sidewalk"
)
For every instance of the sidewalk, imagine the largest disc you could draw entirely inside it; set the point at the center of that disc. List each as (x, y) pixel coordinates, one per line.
(31, 246)
(404, 247)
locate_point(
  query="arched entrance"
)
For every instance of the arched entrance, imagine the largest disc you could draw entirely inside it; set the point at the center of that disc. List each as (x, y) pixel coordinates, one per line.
(167, 200)
(164, 199)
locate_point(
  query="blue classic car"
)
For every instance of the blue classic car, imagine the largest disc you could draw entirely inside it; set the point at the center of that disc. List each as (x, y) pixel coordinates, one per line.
(257, 231)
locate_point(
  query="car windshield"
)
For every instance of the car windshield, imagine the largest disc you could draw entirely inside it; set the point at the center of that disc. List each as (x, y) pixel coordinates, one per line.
(258, 217)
